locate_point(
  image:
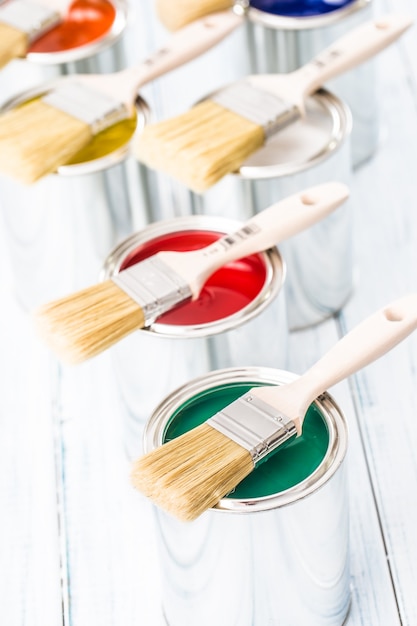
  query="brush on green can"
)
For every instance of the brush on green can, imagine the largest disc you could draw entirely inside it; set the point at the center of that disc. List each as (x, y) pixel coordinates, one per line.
(288, 466)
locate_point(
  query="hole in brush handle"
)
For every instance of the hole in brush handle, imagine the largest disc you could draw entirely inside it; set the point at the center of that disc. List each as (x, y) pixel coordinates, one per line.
(382, 24)
(393, 316)
(308, 199)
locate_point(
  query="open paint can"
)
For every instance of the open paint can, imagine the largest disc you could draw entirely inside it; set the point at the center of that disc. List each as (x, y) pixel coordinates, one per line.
(237, 318)
(59, 229)
(276, 550)
(284, 35)
(312, 150)
(86, 41)
(106, 149)
(89, 27)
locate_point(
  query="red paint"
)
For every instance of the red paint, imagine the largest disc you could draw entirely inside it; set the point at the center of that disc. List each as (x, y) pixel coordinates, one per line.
(86, 21)
(226, 292)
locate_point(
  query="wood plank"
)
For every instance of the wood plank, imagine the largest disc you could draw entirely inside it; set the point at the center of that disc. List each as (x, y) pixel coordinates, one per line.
(408, 43)
(110, 543)
(373, 596)
(385, 236)
(30, 590)
(54, 236)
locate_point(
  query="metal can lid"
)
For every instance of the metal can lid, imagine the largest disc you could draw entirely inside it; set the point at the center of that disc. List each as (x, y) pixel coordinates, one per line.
(305, 143)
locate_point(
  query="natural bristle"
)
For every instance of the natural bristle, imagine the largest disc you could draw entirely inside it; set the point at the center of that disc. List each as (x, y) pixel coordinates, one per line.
(174, 15)
(191, 473)
(13, 44)
(84, 324)
(200, 146)
(35, 139)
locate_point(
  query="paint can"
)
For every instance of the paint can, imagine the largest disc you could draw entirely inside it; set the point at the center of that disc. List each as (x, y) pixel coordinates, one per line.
(237, 319)
(59, 229)
(283, 36)
(89, 27)
(313, 150)
(276, 551)
(86, 41)
(178, 91)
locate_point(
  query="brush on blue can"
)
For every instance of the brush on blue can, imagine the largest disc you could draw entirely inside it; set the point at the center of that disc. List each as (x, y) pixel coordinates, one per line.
(284, 35)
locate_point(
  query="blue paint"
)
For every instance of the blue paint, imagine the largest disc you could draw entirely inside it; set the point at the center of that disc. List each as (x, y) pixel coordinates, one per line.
(299, 8)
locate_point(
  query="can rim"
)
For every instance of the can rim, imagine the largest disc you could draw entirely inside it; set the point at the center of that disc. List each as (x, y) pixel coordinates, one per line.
(143, 113)
(274, 263)
(342, 122)
(94, 47)
(331, 412)
(283, 22)
(341, 118)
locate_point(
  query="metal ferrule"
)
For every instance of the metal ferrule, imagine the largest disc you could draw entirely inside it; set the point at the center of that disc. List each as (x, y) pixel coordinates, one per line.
(29, 17)
(97, 110)
(258, 106)
(154, 286)
(254, 425)
(241, 7)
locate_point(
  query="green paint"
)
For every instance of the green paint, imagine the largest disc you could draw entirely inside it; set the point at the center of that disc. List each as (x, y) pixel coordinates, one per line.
(287, 466)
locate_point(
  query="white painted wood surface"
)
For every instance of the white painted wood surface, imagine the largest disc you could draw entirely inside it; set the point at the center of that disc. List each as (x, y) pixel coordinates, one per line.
(77, 545)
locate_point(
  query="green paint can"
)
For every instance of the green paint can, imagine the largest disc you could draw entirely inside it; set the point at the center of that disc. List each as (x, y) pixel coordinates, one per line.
(275, 551)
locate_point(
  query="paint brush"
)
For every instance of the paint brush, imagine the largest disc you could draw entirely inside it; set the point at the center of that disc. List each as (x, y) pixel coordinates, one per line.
(23, 21)
(174, 15)
(215, 136)
(84, 324)
(193, 472)
(41, 135)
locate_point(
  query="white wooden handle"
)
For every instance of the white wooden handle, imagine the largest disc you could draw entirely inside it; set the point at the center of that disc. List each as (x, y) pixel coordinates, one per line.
(61, 6)
(186, 44)
(175, 14)
(292, 215)
(14, 7)
(367, 342)
(350, 50)
(269, 227)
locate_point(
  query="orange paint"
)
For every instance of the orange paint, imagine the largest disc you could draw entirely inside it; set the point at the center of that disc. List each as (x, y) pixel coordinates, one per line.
(86, 21)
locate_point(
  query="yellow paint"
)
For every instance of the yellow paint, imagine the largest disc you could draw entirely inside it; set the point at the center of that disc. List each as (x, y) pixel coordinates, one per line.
(106, 142)
(103, 143)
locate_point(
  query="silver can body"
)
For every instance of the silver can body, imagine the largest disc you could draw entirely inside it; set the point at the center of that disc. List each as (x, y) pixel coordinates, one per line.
(281, 559)
(152, 362)
(282, 44)
(310, 151)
